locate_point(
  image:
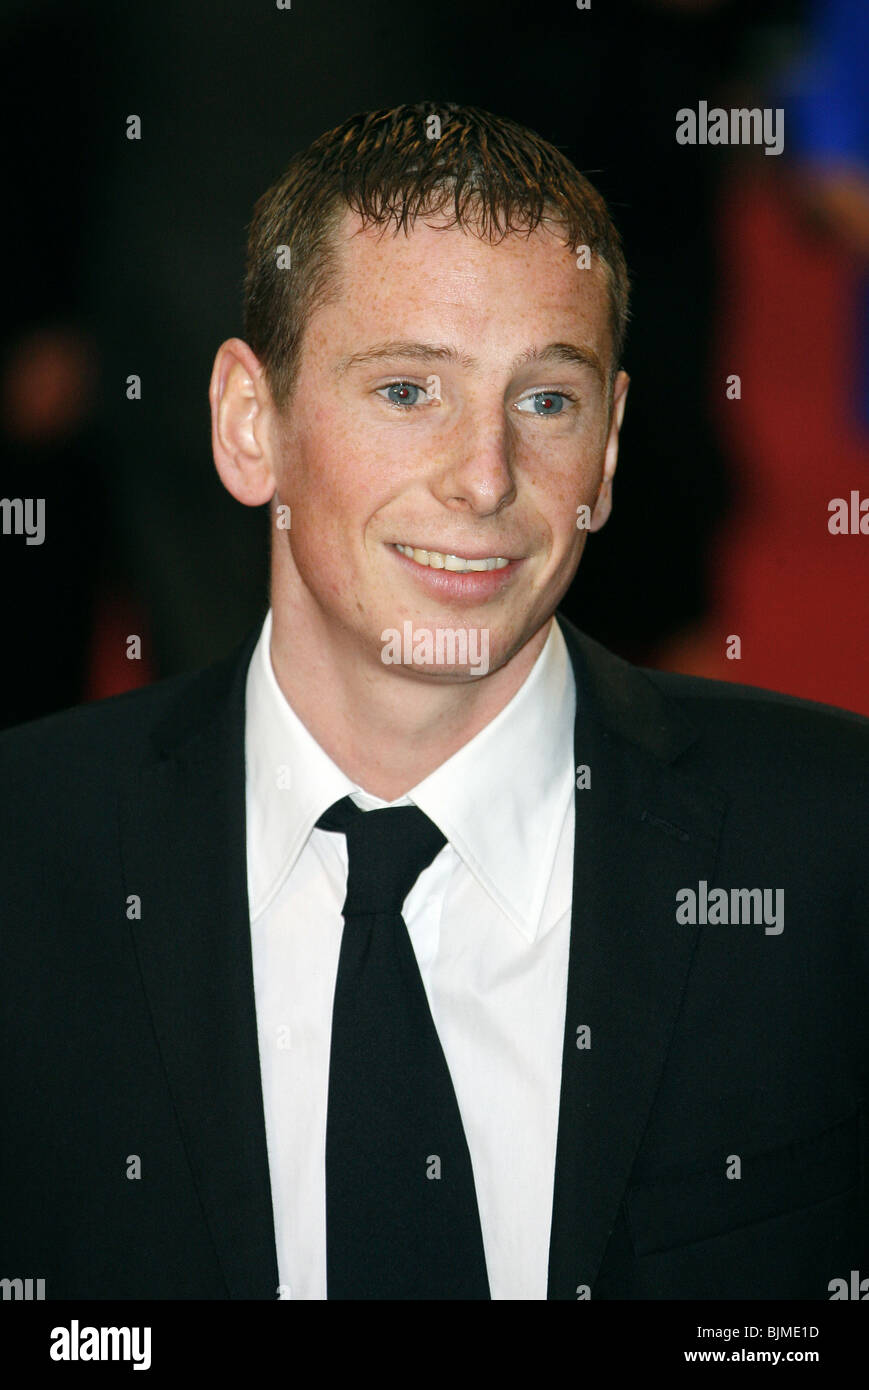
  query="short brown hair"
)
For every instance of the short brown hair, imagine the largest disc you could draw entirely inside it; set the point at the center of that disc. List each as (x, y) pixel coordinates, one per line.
(484, 173)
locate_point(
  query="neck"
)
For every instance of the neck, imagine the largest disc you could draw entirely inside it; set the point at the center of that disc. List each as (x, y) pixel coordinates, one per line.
(385, 728)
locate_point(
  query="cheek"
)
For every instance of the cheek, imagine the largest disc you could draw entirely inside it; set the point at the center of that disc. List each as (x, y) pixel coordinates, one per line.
(561, 487)
(332, 491)
(339, 456)
(320, 473)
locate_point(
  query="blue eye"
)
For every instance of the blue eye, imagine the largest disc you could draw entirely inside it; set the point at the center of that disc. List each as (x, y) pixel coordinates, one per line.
(542, 403)
(403, 393)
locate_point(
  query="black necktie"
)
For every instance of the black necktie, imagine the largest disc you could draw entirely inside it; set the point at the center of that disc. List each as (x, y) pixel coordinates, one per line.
(401, 1208)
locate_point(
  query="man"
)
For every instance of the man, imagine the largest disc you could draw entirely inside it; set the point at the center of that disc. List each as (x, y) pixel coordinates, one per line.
(424, 949)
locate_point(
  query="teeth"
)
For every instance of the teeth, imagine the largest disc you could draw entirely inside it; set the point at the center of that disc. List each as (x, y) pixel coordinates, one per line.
(438, 561)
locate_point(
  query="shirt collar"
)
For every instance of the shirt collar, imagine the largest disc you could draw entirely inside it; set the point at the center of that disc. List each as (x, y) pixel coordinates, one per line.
(500, 800)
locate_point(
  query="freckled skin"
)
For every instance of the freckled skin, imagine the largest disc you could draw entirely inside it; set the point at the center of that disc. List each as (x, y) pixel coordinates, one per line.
(357, 473)
(478, 471)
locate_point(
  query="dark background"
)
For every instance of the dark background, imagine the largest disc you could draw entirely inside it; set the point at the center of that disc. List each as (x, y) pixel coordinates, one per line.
(127, 257)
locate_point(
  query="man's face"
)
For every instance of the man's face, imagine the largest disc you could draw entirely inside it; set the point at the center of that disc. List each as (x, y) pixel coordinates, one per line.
(450, 406)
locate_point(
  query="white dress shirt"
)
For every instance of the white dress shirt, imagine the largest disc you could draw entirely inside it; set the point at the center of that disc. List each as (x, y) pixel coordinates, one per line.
(489, 920)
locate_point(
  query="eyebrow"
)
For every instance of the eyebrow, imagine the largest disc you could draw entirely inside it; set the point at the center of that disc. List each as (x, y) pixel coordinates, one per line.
(571, 354)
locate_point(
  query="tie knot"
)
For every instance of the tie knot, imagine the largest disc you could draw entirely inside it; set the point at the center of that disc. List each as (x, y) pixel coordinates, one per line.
(387, 851)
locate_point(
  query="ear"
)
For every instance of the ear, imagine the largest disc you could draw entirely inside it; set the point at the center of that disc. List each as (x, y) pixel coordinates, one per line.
(241, 406)
(604, 503)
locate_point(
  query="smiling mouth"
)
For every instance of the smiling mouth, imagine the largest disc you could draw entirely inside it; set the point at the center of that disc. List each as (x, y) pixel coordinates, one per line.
(457, 564)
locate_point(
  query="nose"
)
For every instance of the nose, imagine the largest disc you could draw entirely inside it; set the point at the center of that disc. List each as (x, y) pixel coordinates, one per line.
(477, 466)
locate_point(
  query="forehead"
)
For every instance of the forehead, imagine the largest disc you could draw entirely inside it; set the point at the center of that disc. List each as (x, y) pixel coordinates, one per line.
(445, 280)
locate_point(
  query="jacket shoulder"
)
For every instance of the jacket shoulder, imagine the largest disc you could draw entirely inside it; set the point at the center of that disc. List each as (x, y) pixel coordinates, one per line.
(667, 711)
(780, 754)
(709, 701)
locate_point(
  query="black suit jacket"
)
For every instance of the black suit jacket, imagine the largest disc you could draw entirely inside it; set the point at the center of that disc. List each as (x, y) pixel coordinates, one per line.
(709, 1043)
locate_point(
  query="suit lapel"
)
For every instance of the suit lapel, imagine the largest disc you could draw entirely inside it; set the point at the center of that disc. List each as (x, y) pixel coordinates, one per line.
(184, 852)
(643, 830)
